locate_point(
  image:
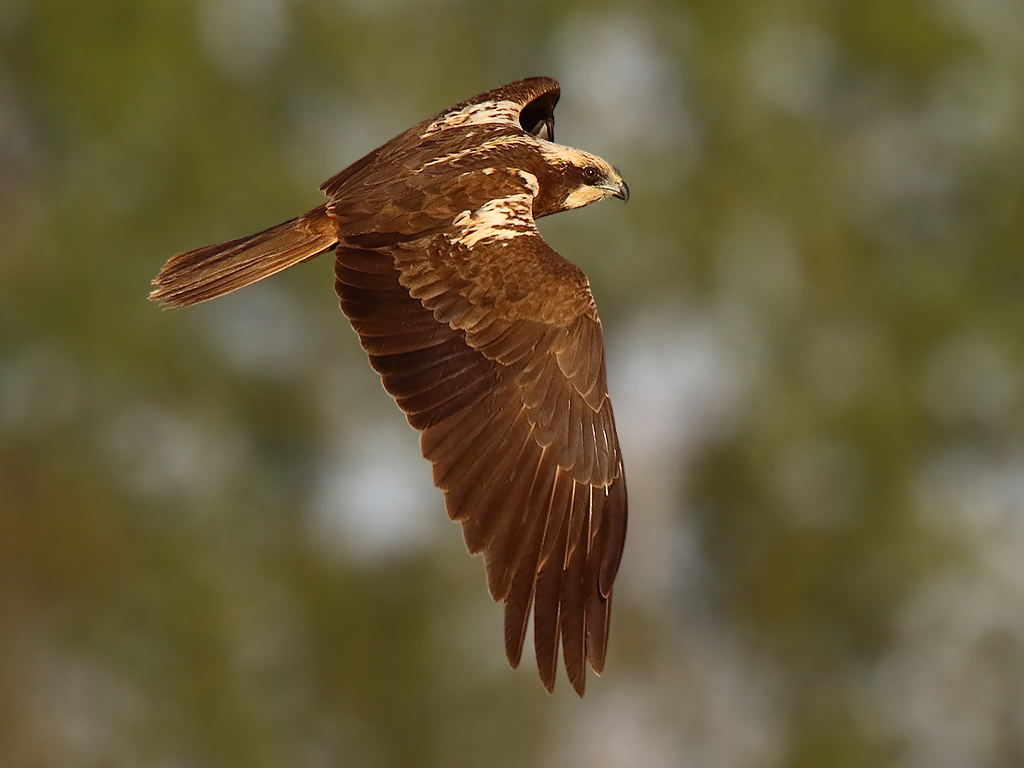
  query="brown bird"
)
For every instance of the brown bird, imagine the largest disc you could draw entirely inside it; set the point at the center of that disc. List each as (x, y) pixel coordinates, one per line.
(486, 338)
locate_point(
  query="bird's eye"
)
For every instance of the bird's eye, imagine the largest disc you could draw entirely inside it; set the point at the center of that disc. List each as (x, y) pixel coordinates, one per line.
(591, 174)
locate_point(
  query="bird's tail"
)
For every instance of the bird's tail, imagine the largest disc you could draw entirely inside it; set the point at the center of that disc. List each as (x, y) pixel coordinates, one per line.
(214, 270)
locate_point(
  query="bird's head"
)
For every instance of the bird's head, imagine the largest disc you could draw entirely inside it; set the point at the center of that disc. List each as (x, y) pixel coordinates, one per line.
(578, 178)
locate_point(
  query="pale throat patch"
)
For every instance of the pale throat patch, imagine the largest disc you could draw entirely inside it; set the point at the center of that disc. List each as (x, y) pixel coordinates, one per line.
(584, 196)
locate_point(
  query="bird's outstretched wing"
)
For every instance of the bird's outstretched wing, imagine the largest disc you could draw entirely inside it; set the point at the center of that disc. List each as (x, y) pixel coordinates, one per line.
(491, 344)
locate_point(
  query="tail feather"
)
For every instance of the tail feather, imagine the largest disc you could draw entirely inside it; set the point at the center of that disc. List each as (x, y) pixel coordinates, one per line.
(213, 270)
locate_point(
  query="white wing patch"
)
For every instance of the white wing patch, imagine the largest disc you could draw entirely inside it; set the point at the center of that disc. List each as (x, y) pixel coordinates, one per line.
(477, 114)
(532, 185)
(503, 218)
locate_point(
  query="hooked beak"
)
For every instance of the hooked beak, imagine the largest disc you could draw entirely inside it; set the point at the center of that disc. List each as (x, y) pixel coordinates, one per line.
(616, 187)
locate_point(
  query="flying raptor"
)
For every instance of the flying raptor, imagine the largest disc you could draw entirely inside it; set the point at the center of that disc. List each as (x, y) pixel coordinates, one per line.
(488, 340)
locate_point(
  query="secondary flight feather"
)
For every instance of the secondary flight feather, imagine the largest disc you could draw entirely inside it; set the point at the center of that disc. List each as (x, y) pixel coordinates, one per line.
(486, 338)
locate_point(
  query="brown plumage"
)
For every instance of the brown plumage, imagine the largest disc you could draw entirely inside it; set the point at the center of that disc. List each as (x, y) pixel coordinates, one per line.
(486, 338)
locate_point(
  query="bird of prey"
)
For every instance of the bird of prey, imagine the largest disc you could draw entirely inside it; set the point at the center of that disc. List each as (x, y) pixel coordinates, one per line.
(487, 339)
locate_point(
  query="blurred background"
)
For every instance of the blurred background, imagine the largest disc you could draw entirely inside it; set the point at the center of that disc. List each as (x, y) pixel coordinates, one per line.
(219, 545)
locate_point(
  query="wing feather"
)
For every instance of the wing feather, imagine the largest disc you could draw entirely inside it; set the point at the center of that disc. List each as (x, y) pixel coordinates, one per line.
(578, 420)
(380, 344)
(498, 531)
(547, 602)
(501, 558)
(503, 372)
(449, 354)
(520, 558)
(478, 476)
(488, 509)
(429, 402)
(574, 618)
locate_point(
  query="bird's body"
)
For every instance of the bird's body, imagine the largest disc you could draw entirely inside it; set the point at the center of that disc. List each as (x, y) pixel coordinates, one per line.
(486, 338)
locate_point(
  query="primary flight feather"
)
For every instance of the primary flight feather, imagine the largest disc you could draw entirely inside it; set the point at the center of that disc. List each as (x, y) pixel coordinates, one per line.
(487, 339)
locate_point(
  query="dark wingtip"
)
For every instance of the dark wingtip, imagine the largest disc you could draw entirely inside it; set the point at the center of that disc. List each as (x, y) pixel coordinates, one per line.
(579, 684)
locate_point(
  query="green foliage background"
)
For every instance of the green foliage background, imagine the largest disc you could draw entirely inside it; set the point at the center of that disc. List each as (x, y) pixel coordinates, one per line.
(815, 335)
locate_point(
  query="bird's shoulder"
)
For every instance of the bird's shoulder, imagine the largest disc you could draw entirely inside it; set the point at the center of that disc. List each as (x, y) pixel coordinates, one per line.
(429, 184)
(490, 253)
